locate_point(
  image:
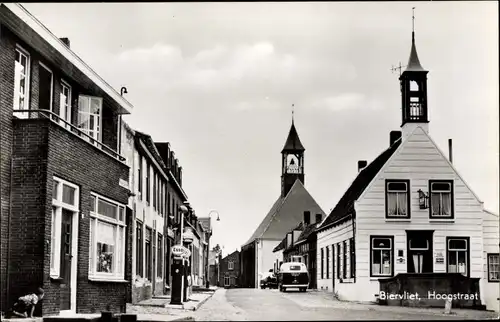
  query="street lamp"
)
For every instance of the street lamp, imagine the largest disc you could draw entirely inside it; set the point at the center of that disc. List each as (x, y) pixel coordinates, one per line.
(207, 282)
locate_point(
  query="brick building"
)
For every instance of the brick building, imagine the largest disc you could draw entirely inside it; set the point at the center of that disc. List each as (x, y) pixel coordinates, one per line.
(229, 267)
(64, 192)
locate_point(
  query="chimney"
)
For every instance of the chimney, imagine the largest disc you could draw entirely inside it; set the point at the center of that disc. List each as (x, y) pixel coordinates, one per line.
(362, 164)
(394, 136)
(319, 217)
(307, 218)
(450, 150)
(65, 41)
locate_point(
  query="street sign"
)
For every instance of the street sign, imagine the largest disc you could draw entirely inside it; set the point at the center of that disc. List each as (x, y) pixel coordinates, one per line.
(180, 251)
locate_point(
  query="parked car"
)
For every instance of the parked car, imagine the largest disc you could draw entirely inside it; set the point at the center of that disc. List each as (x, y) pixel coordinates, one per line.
(270, 281)
(293, 275)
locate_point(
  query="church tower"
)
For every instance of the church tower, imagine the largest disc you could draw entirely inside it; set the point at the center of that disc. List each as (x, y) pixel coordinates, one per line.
(292, 166)
(414, 93)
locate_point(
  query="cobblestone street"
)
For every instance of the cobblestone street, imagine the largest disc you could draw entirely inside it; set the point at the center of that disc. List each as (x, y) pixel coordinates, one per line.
(256, 304)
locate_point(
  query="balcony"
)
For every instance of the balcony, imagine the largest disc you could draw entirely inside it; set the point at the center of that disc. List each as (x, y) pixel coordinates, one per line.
(56, 119)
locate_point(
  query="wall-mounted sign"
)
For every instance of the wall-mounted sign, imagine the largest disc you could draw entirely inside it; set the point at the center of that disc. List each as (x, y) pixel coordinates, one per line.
(438, 255)
(170, 233)
(123, 183)
(188, 235)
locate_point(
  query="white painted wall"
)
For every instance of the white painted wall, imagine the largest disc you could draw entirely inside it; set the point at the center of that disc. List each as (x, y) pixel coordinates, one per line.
(265, 257)
(418, 160)
(491, 240)
(326, 239)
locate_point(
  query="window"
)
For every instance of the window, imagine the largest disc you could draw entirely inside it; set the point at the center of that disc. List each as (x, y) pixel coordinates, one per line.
(107, 239)
(226, 280)
(89, 117)
(154, 190)
(381, 255)
(65, 198)
(45, 87)
(159, 257)
(148, 184)
(65, 104)
(147, 239)
(441, 199)
(327, 250)
(160, 200)
(230, 265)
(139, 250)
(397, 198)
(338, 261)
(322, 263)
(352, 257)
(344, 259)
(493, 268)
(457, 249)
(139, 177)
(21, 81)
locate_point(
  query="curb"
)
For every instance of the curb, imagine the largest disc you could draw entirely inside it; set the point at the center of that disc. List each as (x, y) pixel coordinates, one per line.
(202, 302)
(185, 318)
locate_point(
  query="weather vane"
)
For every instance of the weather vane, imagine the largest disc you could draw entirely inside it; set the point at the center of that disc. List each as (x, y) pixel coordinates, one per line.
(292, 110)
(413, 19)
(397, 68)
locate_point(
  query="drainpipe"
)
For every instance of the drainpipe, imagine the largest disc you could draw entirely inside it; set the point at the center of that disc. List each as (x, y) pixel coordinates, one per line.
(7, 295)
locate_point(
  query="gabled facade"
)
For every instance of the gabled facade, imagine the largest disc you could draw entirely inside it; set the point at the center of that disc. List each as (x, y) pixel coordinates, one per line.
(410, 219)
(64, 214)
(257, 253)
(230, 270)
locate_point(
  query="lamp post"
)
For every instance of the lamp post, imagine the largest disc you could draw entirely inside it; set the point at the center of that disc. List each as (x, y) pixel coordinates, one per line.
(207, 282)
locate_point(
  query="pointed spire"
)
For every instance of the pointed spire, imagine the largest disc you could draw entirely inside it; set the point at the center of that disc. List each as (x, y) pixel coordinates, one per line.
(413, 61)
(293, 142)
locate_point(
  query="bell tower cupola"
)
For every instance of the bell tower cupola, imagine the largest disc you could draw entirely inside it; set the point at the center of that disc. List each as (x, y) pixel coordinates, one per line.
(292, 161)
(414, 92)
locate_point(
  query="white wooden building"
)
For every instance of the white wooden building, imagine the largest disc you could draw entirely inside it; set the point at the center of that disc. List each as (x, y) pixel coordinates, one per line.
(409, 216)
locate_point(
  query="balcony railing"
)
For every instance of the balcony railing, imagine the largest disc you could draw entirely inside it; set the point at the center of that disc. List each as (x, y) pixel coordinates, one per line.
(70, 128)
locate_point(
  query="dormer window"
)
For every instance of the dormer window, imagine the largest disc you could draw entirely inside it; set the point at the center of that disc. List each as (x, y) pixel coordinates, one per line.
(397, 198)
(441, 199)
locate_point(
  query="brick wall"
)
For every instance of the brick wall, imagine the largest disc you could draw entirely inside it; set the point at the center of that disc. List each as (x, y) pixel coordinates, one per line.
(7, 58)
(234, 273)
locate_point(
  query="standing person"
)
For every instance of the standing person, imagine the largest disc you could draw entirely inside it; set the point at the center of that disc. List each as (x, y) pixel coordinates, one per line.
(27, 304)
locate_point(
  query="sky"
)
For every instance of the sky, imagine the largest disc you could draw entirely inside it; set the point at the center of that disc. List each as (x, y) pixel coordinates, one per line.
(217, 81)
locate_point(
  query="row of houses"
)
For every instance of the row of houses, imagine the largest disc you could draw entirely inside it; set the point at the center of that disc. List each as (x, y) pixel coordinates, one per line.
(89, 207)
(407, 224)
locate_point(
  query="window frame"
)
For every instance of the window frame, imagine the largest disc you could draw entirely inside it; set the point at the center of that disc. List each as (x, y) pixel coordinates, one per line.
(452, 199)
(148, 183)
(62, 105)
(80, 111)
(322, 263)
(408, 198)
(27, 87)
(230, 265)
(391, 238)
(140, 173)
(51, 102)
(327, 250)
(467, 255)
(120, 241)
(159, 256)
(337, 256)
(344, 259)
(228, 282)
(352, 257)
(57, 206)
(139, 249)
(488, 255)
(148, 250)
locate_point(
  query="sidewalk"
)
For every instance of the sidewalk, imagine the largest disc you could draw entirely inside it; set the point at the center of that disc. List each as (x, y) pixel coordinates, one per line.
(160, 306)
(456, 312)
